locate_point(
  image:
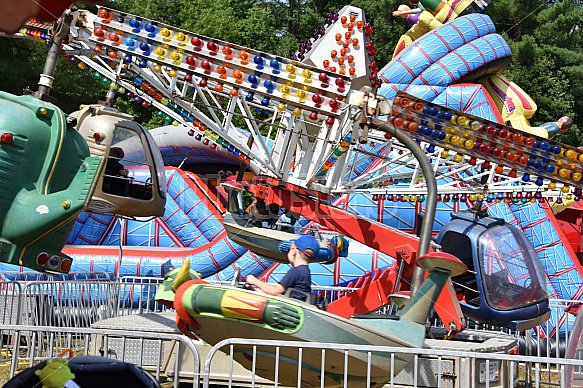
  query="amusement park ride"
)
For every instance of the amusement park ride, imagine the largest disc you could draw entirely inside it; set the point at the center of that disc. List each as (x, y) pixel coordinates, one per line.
(326, 121)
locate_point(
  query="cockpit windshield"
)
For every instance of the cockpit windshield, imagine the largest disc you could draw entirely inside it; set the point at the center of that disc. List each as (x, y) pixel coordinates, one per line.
(129, 152)
(511, 270)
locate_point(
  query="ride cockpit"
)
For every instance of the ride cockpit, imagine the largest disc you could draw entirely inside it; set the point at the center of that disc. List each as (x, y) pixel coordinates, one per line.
(505, 283)
(133, 183)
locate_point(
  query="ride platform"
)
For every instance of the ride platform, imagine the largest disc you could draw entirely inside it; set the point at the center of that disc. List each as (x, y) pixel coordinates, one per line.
(427, 366)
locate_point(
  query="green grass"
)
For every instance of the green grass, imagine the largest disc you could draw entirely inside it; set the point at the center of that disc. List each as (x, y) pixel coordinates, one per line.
(5, 370)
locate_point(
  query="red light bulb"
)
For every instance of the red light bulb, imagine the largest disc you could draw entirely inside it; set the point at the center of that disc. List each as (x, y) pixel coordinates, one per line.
(6, 138)
(212, 46)
(42, 258)
(66, 265)
(228, 52)
(196, 42)
(103, 13)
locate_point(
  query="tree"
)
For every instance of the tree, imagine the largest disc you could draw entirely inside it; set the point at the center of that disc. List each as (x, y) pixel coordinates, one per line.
(72, 86)
(546, 44)
(515, 19)
(387, 28)
(14, 78)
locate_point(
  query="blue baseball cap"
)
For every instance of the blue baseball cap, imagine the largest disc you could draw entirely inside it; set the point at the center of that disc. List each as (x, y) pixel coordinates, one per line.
(308, 245)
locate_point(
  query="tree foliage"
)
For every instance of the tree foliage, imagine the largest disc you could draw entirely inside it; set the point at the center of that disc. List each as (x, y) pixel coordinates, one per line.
(72, 86)
(546, 41)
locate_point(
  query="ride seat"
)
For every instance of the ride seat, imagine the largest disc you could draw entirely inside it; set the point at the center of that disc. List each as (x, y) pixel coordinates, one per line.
(309, 298)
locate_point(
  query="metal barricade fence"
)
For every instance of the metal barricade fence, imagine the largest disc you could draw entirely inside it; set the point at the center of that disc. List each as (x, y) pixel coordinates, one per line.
(77, 304)
(552, 341)
(547, 340)
(67, 303)
(473, 369)
(44, 342)
(11, 308)
(8, 276)
(137, 295)
(325, 295)
(70, 303)
(173, 353)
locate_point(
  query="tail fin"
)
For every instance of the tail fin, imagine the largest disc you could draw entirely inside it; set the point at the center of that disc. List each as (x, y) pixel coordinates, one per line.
(440, 266)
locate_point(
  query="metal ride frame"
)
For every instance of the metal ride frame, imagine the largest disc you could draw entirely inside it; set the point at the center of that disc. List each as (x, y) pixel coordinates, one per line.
(190, 105)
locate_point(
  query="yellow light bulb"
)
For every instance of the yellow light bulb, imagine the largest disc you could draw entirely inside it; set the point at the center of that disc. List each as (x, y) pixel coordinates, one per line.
(284, 89)
(571, 154)
(563, 172)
